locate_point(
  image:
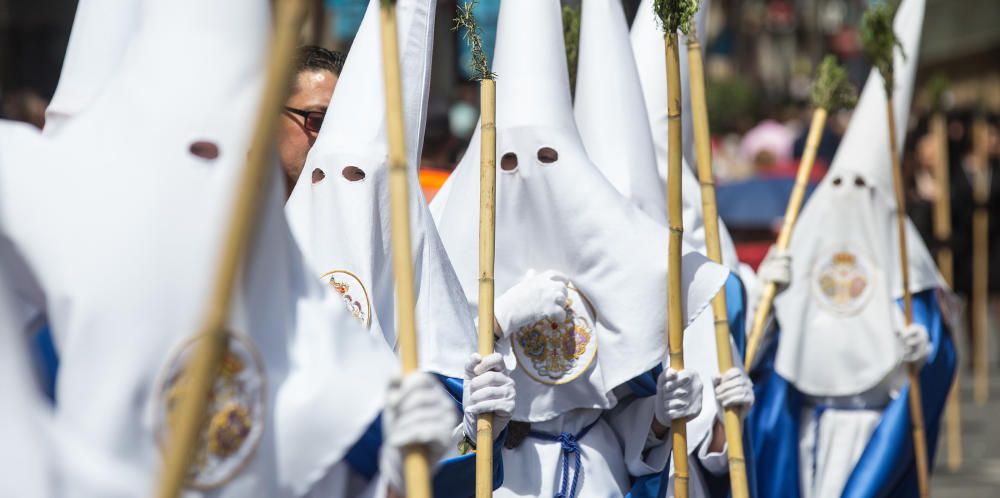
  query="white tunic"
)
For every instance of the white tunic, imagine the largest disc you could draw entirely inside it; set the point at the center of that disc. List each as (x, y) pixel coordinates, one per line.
(617, 448)
(614, 447)
(831, 444)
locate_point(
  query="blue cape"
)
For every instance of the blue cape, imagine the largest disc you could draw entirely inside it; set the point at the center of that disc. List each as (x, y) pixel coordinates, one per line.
(886, 467)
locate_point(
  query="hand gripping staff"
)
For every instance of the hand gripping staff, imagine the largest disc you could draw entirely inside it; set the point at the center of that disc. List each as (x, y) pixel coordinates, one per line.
(675, 15)
(416, 467)
(487, 229)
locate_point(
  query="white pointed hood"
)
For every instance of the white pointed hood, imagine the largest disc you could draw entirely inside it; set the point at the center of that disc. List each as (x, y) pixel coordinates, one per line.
(339, 209)
(140, 185)
(837, 315)
(556, 211)
(611, 117)
(647, 47)
(610, 111)
(102, 31)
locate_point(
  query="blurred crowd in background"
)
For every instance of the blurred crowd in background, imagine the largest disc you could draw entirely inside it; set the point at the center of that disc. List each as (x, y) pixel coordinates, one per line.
(761, 57)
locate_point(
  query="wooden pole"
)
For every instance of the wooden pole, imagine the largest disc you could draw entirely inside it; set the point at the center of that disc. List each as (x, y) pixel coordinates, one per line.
(487, 251)
(980, 264)
(675, 321)
(945, 260)
(416, 466)
(916, 406)
(785, 235)
(703, 152)
(201, 373)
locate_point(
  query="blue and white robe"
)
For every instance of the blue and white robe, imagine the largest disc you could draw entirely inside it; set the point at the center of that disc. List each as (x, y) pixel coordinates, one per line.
(886, 466)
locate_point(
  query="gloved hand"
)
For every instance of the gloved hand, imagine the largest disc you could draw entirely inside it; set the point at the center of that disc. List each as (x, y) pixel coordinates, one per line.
(417, 411)
(488, 388)
(535, 297)
(916, 343)
(734, 389)
(678, 395)
(776, 267)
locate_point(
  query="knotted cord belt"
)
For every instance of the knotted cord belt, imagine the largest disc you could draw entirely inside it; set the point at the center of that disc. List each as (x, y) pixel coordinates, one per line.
(569, 446)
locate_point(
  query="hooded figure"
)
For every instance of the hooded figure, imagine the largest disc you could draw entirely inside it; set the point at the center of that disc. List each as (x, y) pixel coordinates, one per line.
(647, 47)
(611, 117)
(557, 214)
(843, 350)
(102, 32)
(120, 217)
(339, 209)
(339, 214)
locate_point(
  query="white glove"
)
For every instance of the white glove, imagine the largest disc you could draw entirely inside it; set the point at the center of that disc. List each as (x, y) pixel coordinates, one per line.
(776, 267)
(535, 297)
(678, 395)
(916, 343)
(734, 389)
(417, 411)
(488, 388)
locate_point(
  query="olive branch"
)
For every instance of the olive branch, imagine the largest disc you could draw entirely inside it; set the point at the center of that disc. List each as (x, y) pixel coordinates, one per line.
(879, 41)
(473, 36)
(832, 90)
(675, 14)
(571, 40)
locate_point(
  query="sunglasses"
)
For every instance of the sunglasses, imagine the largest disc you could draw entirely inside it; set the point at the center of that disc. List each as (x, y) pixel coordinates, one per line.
(311, 120)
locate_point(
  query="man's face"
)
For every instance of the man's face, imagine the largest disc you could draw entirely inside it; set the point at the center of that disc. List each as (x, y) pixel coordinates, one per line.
(312, 92)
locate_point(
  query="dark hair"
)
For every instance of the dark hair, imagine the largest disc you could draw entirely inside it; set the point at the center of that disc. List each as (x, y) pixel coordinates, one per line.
(313, 58)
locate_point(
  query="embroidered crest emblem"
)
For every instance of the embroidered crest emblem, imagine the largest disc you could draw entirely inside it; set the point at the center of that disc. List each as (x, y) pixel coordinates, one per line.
(235, 411)
(842, 282)
(353, 292)
(559, 352)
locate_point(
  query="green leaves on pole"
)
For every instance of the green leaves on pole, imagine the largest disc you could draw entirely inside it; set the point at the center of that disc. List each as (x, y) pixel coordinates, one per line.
(832, 90)
(473, 35)
(571, 39)
(878, 41)
(675, 14)
(938, 89)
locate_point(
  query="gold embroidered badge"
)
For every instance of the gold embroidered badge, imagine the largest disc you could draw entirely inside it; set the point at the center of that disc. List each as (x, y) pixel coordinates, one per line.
(842, 282)
(558, 352)
(236, 411)
(353, 292)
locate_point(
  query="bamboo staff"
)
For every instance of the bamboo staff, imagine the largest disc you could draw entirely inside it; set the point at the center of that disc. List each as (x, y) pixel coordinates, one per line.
(703, 151)
(202, 371)
(416, 466)
(945, 260)
(487, 251)
(980, 262)
(487, 229)
(832, 91)
(879, 40)
(675, 15)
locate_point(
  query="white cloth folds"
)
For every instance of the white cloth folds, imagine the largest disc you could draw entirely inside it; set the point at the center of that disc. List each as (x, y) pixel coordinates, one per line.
(339, 209)
(102, 32)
